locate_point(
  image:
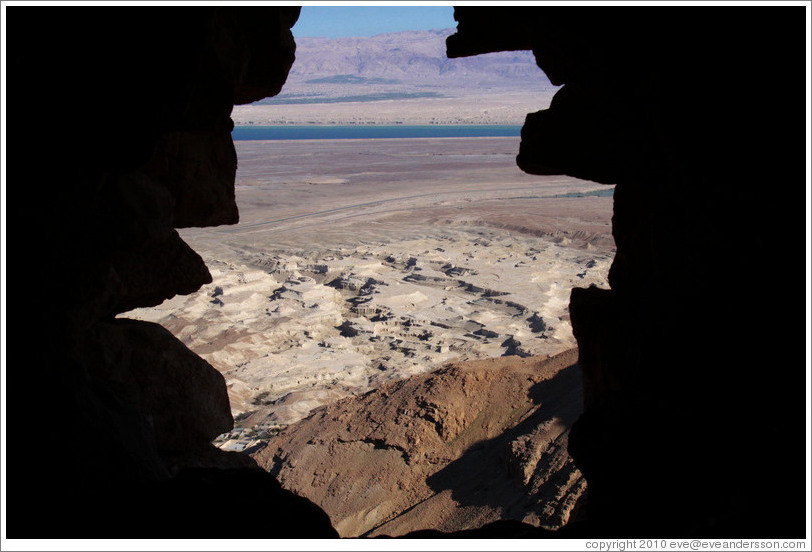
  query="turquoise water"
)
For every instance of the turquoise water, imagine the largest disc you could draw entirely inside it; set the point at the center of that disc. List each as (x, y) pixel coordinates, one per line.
(603, 192)
(345, 132)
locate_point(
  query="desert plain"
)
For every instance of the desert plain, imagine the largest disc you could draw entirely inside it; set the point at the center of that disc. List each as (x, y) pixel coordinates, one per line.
(357, 262)
(371, 278)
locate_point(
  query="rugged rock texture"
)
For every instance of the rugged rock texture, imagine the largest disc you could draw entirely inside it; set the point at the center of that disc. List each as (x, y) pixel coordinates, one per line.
(119, 133)
(452, 450)
(699, 124)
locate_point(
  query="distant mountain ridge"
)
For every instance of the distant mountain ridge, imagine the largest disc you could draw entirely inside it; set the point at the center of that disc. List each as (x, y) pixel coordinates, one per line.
(409, 56)
(401, 78)
(413, 63)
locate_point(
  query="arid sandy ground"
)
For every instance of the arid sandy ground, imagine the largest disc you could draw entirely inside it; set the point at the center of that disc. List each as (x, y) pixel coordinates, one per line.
(509, 108)
(358, 262)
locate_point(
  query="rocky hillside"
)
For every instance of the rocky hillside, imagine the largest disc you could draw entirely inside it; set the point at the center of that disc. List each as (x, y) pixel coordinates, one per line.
(454, 449)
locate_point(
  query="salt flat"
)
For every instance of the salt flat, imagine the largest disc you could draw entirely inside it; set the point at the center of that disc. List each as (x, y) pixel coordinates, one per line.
(358, 262)
(506, 107)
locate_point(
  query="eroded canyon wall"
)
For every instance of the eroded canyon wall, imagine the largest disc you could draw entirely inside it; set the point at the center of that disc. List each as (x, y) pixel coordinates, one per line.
(693, 360)
(118, 133)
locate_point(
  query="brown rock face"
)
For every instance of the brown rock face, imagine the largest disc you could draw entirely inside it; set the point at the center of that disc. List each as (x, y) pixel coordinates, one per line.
(454, 449)
(119, 133)
(675, 107)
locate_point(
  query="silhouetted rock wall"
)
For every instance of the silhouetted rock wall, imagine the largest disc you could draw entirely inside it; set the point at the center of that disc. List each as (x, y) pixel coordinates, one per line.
(693, 361)
(119, 132)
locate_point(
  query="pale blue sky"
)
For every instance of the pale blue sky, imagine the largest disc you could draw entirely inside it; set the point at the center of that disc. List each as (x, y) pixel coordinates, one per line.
(341, 21)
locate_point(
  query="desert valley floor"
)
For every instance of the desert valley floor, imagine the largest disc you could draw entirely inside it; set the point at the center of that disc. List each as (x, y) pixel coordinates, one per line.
(360, 263)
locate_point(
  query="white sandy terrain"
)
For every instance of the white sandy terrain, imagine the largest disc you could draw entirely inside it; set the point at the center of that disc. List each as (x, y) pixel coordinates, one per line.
(350, 319)
(358, 262)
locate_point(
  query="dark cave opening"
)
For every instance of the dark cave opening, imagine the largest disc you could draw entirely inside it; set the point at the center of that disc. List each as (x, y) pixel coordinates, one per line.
(667, 371)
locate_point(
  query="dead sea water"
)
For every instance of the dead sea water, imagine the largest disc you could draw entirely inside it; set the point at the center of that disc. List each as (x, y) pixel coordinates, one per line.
(349, 132)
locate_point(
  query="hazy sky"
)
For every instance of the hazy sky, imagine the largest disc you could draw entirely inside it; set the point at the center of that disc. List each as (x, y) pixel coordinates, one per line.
(338, 21)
